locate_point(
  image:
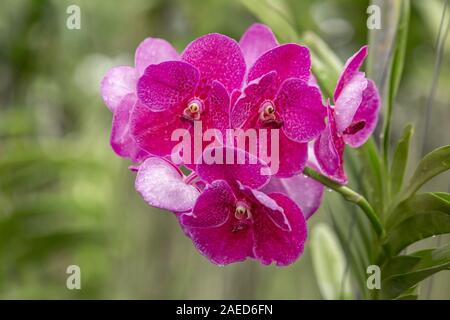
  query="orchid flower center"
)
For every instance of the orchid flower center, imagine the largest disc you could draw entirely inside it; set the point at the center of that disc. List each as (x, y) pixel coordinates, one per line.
(242, 211)
(268, 116)
(193, 109)
(267, 111)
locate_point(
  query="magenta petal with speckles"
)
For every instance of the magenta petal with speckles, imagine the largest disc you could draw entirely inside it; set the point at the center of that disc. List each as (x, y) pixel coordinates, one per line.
(301, 110)
(164, 86)
(217, 57)
(152, 130)
(213, 207)
(288, 60)
(273, 244)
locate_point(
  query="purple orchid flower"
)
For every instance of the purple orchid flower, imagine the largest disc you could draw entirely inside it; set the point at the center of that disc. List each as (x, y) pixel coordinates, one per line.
(351, 121)
(278, 96)
(174, 94)
(118, 89)
(232, 220)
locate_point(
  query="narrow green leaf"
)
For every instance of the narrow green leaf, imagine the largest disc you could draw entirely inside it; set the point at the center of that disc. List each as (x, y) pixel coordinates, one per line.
(434, 163)
(432, 202)
(396, 70)
(400, 160)
(399, 56)
(329, 264)
(276, 15)
(410, 270)
(373, 166)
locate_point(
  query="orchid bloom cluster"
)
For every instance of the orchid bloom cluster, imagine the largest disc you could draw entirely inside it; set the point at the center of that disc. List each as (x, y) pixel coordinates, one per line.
(233, 211)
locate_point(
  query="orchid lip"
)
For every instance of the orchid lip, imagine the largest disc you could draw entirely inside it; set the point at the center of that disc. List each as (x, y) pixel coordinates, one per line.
(193, 109)
(267, 115)
(355, 127)
(242, 211)
(267, 110)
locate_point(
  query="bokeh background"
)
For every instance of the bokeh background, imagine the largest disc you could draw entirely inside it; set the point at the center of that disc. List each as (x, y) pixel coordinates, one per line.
(65, 198)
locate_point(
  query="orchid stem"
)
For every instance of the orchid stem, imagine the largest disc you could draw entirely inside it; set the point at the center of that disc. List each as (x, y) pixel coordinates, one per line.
(350, 196)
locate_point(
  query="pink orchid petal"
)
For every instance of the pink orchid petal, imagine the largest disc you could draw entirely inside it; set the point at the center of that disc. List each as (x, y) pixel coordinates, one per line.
(217, 57)
(167, 84)
(273, 244)
(329, 151)
(152, 131)
(222, 246)
(212, 208)
(368, 113)
(153, 51)
(292, 155)
(256, 40)
(301, 109)
(306, 192)
(234, 96)
(288, 60)
(228, 240)
(121, 139)
(249, 172)
(162, 186)
(349, 100)
(254, 94)
(217, 113)
(269, 207)
(116, 84)
(351, 67)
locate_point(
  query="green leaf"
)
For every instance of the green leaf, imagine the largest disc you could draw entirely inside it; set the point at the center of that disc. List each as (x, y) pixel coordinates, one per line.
(400, 160)
(373, 166)
(396, 70)
(402, 273)
(415, 228)
(410, 294)
(434, 163)
(276, 15)
(432, 202)
(398, 62)
(329, 264)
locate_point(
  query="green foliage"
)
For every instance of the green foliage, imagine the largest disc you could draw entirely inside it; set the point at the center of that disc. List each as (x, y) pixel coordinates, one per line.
(403, 273)
(434, 163)
(400, 160)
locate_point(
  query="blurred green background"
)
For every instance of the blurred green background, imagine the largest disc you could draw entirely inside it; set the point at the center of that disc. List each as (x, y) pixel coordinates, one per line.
(65, 198)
